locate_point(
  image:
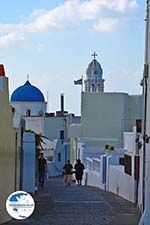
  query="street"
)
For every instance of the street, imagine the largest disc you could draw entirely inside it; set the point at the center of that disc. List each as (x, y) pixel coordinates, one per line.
(57, 204)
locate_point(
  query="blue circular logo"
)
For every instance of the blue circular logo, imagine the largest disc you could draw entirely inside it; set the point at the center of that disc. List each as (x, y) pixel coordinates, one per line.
(20, 205)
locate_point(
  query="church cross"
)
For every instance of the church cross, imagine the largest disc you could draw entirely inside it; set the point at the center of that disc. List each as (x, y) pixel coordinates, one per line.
(94, 55)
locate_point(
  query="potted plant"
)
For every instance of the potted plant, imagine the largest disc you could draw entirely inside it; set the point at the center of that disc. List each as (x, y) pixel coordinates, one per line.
(111, 148)
(107, 147)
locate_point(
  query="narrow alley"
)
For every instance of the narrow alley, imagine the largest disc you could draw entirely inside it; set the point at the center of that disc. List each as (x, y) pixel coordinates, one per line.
(57, 204)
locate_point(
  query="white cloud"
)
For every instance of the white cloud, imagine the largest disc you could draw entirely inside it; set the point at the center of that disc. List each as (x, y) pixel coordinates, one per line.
(73, 12)
(133, 4)
(70, 14)
(11, 38)
(4, 28)
(106, 25)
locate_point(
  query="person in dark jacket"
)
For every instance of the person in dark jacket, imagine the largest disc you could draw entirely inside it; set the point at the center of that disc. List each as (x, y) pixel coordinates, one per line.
(68, 173)
(42, 169)
(79, 167)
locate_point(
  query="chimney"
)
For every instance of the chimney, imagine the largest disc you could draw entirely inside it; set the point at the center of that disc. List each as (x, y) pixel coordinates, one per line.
(61, 113)
(2, 70)
(62, 102)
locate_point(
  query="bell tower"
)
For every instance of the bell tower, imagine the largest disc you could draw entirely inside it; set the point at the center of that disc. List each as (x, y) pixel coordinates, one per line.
(94, 81)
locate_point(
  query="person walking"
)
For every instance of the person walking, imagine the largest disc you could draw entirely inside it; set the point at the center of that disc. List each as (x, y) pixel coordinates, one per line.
(79, 167)
(68, 173)
(42, 169)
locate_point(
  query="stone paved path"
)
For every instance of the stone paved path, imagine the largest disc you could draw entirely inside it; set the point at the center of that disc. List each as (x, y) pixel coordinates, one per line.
(57, 204)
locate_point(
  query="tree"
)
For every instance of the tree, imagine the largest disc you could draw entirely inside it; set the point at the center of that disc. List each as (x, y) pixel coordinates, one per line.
(38, 141)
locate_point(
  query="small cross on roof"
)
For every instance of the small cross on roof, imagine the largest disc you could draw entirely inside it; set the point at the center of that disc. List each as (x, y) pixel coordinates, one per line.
(94, 55)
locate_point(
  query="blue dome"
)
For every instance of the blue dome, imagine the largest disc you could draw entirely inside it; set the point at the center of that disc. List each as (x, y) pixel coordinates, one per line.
(27, 93)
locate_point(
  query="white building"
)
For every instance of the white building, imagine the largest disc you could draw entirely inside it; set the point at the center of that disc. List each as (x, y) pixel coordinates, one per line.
(116, 171)
(104, 116)
(10, 147)
(108, 115)
(144, 193)
(29, 101)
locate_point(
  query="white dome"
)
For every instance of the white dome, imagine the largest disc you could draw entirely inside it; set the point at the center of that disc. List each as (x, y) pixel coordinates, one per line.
(94, 70)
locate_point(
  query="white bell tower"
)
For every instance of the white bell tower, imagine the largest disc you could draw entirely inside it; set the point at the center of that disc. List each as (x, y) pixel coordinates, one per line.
(94, 81)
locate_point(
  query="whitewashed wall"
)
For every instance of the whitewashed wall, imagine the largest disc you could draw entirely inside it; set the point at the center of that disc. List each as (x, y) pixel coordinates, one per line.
(94, 179)
(35, 124)
(97, 106)
(101, 173)
(97, 173)
(124, 110)
(121, 184)
(74, 130)
(35, 107)
(28, 177)
(53, 126)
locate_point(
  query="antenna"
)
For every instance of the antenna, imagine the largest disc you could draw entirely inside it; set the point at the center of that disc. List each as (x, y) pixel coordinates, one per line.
(47, 101)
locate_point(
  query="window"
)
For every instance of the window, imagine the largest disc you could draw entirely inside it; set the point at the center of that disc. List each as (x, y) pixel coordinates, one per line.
(98, 88)
(62, 135)
(128, 164)
(136, 167)
(50, 158)
(13, 109)
(28, 112)
(41, 113)
(59, 157)
(121, 161)
(93, 88)
(139, 126)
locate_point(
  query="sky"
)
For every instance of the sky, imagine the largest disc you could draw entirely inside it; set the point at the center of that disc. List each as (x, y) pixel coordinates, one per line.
(52, 41)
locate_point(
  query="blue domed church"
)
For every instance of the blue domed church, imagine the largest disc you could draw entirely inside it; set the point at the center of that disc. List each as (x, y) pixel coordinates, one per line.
(28, 100)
